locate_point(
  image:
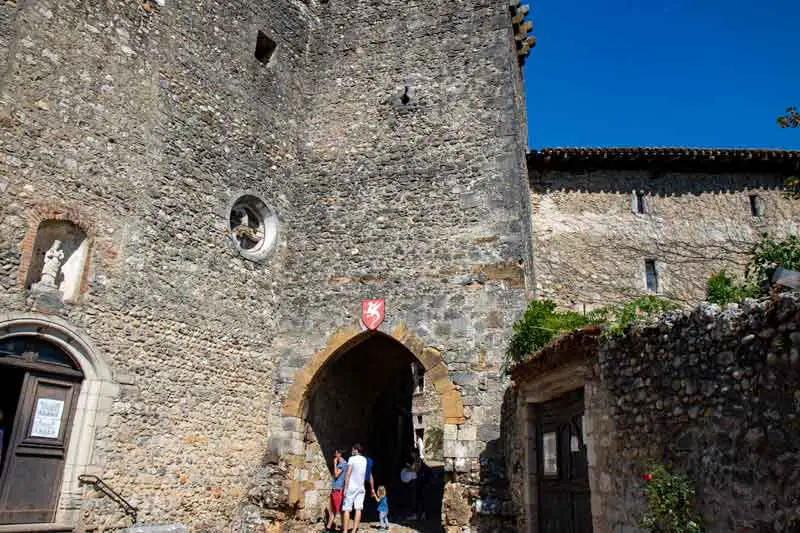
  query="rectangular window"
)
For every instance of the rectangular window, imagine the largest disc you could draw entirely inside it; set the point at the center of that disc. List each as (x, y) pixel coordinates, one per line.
(640, 203)
(265, 47)
(550, 453)
(418, 373)
(651, 275)
(756, 205)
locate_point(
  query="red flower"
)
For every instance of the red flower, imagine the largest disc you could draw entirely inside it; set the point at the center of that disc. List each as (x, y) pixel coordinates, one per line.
(648, 477)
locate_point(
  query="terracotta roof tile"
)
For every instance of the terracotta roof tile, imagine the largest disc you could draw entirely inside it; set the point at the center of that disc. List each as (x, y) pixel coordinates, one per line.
(681, 157)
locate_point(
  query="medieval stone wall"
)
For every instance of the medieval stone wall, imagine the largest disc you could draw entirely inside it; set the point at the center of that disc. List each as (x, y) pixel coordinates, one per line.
(141, 125)
(714, 393)
(416, 201)
(591, 246)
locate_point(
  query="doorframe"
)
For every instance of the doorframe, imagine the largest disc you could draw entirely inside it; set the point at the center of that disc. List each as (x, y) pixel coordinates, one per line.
(92, 409)
(534, 392)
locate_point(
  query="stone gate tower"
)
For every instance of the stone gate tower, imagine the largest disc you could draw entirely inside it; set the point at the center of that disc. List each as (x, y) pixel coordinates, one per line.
(197, 197)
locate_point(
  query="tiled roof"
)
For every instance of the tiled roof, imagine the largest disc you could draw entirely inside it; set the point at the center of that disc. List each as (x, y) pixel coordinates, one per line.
(642, 157)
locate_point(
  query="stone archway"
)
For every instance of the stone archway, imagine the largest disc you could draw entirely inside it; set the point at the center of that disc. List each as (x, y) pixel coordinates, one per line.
(430, 358)
(305, 480)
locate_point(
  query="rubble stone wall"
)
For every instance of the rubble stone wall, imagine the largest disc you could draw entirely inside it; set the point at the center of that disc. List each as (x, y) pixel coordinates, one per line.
(710, 392)
(697, 223)
(141, 125)
(715, 394)
(416, 202)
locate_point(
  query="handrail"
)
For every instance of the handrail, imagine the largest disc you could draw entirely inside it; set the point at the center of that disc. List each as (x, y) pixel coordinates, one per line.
(100, 485)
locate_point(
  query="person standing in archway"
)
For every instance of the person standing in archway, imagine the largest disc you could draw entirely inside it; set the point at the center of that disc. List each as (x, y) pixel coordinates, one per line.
(354, 488)
(337, 488)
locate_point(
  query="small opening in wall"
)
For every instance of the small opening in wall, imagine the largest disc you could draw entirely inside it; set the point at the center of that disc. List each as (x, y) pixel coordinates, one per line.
(756, 205)
(640, 204)
(405, 99)
(265, 47)
(418, 372)
(651, 275)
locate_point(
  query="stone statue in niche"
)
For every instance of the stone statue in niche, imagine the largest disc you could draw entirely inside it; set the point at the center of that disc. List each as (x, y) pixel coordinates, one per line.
(58, 263)
(53, 260)
(246, 228)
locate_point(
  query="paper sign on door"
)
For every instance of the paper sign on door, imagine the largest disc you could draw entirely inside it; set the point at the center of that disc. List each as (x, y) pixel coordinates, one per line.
(47, 418)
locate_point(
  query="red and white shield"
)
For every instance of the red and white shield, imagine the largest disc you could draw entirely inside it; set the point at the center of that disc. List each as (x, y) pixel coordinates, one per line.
(372, 312)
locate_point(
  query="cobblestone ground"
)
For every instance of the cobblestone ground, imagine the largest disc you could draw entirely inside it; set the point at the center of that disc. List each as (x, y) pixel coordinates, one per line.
(430, 526)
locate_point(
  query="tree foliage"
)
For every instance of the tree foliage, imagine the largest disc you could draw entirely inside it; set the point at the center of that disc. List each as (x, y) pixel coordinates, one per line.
(620, 317)
(763, 258)
(722, 289)
(791, 119)
(669, 498)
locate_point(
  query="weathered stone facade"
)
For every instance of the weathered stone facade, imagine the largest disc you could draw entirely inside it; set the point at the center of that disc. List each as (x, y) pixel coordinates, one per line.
(591, 243)
(710, 391)
(388, 136)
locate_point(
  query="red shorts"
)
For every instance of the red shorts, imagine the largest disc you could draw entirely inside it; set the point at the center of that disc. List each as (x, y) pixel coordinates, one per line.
(336, 500)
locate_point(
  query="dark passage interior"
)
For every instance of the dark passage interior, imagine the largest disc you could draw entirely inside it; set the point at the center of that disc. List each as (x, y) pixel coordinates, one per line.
(364, 395)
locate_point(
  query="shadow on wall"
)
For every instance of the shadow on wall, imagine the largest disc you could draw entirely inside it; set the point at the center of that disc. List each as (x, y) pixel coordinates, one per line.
(654, 182)
(494, 508)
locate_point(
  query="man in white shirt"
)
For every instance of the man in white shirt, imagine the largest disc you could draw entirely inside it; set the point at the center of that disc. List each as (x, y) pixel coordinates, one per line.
(354, 487)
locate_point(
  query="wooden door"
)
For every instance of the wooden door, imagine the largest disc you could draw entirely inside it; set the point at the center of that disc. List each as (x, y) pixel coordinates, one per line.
(31, 478)
(564, 503)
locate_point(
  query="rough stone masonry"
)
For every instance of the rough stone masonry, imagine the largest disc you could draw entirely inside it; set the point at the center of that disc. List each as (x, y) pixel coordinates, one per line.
(387, 137)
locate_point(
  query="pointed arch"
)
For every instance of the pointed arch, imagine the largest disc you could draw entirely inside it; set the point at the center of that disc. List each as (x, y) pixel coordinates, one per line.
(346, 338)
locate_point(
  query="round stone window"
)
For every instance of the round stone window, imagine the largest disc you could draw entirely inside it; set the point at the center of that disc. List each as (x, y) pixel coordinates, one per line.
(253, 227)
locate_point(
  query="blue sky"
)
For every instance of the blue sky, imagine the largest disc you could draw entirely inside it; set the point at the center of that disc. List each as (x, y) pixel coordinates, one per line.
(663, 73)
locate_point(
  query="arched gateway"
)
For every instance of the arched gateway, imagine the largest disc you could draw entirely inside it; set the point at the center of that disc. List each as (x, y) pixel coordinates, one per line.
(359, 389)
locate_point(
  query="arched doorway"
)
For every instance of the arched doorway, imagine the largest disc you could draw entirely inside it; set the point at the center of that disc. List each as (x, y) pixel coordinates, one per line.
(364, 395)
(360, 388)
(39, 394)
(45, 357)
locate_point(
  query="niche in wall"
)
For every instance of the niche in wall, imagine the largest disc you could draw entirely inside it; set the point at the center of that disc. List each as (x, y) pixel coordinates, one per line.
(58, 259)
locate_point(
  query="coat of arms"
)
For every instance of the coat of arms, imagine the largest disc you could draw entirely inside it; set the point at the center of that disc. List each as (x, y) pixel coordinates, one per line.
(372, 312)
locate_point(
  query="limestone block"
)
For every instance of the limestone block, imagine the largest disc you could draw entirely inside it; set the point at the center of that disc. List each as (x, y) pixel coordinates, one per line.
(462, 449)
(450, 431)
(461, 465)
(456, 508)
(467, 432)
(430, 357)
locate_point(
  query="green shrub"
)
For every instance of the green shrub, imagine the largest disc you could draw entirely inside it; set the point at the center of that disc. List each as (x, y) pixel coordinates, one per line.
(769, 254)
(669, 499)
(539, 325)
(763, 258)
(722, 289)
(623, 316)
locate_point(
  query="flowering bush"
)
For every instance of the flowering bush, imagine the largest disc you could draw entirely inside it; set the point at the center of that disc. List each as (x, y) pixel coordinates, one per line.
(669, 502)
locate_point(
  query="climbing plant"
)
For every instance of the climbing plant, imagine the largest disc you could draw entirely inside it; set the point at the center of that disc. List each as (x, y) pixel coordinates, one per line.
(669, 499)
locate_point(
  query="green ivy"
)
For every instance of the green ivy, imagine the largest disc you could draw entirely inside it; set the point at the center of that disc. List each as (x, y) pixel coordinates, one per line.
(669, 499)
